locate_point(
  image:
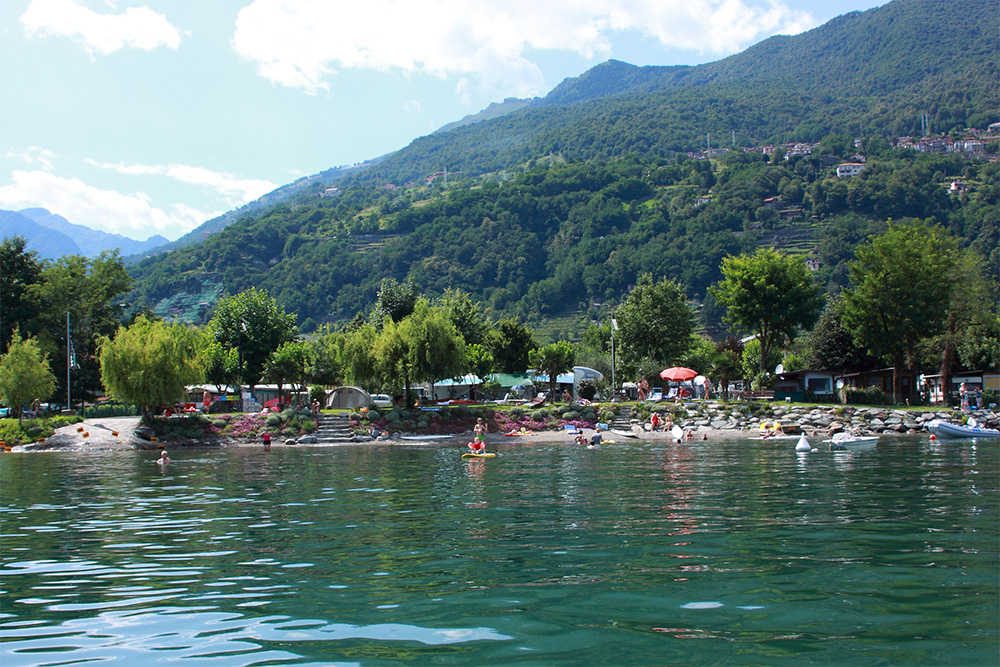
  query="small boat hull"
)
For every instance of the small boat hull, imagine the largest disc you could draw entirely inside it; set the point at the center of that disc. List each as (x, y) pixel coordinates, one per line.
(943, 429)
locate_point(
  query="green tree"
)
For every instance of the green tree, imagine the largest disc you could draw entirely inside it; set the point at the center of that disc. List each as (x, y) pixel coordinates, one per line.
(830, 346)
(395, 300)
(288, 363)
(90, 291)
(424, 346)
(769, 294)
(510, 342)
(655, 321)
(253, 324)
(325, 367)
(969, 311)
(901, 288)
(19, 269)
(553, 360)
(357, 357)
(221, 363)
(465, 314)
(150, 363)
(25, 375)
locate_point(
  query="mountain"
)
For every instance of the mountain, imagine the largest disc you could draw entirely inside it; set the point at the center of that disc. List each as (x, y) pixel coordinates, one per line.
(53, 236)
(313, 184)
(556, 205)
(48, 243)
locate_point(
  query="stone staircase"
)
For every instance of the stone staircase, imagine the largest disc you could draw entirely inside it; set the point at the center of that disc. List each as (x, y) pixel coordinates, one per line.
(622, 421)
(332, 429)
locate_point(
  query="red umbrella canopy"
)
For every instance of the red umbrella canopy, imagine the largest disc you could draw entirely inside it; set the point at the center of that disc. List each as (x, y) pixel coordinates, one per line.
(678, 374)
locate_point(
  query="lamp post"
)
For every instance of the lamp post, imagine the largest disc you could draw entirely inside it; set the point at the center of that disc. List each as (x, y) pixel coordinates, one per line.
(614, 327)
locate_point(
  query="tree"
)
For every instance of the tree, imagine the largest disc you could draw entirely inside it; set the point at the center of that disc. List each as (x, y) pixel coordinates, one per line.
(19, 269)
(395, 300)
(727, 363)
(901, 288)
(465, 314)
(968, 311)
(655, 321)
(358, 358)
(510, 342)
(830, 346)
(424, 346)
(289, 362)
(221, 363)
(770, 295)
(90, 291)
(25, 375)
(150, 363)
(553, 360)
(253, 324)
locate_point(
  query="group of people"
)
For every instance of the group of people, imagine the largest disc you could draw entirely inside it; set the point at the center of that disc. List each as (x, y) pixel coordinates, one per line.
(971, 399)
(655, 422)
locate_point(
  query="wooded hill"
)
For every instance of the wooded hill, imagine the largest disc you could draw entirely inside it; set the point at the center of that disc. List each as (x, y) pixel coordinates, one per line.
(562, 202)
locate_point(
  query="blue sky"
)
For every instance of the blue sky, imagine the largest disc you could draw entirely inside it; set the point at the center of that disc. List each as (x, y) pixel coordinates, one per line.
(152, 116)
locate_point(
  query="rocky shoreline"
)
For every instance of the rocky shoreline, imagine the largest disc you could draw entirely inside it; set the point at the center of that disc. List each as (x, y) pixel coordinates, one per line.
(823, 420)
(708, 420)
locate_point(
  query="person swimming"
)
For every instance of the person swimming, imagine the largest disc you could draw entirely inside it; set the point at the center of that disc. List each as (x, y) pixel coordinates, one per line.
(164, 458)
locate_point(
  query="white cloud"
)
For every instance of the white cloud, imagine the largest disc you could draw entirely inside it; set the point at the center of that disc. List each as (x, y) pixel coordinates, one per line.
(35, 155)
(244, 189)
(136, 27)
(105, 210)
(413, 106)
(301, 43)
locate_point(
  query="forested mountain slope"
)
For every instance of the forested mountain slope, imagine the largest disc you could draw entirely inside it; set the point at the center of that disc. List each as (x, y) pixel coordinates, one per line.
(560, 204)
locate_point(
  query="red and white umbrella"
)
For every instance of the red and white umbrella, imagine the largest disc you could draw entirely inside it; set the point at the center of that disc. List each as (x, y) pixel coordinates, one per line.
(678, 374)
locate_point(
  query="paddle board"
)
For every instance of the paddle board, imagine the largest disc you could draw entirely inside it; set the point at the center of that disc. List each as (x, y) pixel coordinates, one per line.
(470, 455)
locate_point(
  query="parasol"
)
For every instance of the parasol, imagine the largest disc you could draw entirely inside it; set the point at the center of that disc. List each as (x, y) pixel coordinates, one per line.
(678, 374)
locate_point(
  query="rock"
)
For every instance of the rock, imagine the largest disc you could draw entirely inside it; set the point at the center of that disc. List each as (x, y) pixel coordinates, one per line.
(291, 441)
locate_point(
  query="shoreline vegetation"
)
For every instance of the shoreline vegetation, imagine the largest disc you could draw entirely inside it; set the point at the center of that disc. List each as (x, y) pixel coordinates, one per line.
(702, 420)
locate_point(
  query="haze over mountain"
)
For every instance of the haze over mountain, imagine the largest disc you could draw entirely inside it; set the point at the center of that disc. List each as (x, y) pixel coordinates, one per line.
(53, 236)
(544, 206)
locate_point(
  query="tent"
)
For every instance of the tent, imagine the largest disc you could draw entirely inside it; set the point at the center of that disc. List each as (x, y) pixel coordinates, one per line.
(348, 397)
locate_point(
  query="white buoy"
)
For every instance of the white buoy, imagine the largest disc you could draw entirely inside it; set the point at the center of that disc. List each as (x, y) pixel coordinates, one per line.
(803, 445)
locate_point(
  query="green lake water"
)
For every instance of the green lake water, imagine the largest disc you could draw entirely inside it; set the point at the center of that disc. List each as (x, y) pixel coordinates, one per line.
(714, 553)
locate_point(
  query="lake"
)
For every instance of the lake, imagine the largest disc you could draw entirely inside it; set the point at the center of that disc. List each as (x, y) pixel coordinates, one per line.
(732, 552)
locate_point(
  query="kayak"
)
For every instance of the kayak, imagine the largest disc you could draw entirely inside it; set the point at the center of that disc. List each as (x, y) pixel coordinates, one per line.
(470, 455)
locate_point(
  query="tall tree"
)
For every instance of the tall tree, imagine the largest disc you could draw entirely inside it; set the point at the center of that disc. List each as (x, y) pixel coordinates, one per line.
(396, 300)
(288, 363)
(830, 346)
(510, 342)
(901, 288)
(90, 292)
(969, 309)
(25, 375)
(19, 269)
(253, 324)
(150, 363)
(553, 360)
(655, 321)
(424, 346)
(769, 294)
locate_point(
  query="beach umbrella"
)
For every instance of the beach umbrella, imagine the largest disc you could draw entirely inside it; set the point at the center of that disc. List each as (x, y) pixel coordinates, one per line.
(678, 374)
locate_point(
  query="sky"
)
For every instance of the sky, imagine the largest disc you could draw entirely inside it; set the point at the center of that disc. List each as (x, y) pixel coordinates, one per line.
(153, 116)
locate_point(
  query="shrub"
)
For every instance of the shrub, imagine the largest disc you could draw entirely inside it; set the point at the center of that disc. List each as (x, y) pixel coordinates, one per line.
(289, 432)
(570, 415)
(865, 396)
(540, 415)
(273, 420)
(587, 389)
(308, 426)
(516, 412)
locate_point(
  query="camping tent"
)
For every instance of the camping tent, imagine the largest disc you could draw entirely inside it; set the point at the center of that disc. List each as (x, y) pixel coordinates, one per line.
(348, 397)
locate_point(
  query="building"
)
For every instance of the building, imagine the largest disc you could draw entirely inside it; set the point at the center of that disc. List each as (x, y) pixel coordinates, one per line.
(849, 169)
(805, 385)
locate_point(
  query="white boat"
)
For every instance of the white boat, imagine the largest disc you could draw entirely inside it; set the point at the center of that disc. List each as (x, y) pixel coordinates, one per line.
(943, 429)
(850, 441)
